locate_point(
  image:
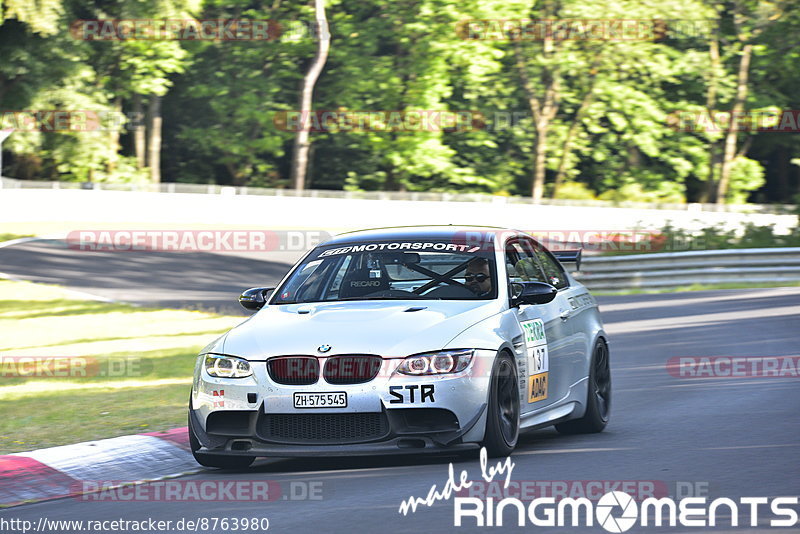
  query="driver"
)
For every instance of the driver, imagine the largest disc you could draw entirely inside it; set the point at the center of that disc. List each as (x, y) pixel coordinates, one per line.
(478, 277)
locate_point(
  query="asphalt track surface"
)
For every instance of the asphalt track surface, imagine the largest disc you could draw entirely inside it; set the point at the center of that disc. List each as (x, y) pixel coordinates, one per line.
(194, 280)
(723, 437)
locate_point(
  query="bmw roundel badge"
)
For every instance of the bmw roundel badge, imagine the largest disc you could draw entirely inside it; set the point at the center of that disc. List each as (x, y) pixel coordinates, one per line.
(324, 348)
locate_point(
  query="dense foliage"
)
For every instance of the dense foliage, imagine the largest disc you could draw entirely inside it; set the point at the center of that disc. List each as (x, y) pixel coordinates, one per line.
(571, 118)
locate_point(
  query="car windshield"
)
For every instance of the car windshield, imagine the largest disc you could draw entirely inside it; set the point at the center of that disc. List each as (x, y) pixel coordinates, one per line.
(398, 270)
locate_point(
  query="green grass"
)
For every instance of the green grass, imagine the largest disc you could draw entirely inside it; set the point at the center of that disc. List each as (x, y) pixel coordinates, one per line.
(9, 237)
(138, 363)
(674, 239)
(698, 287)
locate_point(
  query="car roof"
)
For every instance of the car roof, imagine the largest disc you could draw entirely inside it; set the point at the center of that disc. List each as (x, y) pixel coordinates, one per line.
(435, 233)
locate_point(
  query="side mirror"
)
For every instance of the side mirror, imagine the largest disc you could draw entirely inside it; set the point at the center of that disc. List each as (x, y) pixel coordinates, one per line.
(531, 293)
(254, 298)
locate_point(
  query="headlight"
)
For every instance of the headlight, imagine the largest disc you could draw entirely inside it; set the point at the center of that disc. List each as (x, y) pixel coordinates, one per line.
(436, 363)
(227, 366)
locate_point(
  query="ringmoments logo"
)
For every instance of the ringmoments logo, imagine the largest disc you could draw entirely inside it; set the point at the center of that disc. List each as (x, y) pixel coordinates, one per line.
(615, 511)
(605, 507)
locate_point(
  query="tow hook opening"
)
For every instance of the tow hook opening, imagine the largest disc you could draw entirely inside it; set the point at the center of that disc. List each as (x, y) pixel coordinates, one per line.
(241, 445)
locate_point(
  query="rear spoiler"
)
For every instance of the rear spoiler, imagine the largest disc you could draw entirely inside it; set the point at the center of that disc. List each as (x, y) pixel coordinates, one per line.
(572, 256)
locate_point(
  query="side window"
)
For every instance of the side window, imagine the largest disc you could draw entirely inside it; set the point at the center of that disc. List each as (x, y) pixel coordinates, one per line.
(552, 269)
(522, 264)
(300, 279)
(311, 286)
(511, 262)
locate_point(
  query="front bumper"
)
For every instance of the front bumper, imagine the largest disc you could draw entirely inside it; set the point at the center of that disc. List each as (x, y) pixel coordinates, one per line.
(256, 416)
(251, 436)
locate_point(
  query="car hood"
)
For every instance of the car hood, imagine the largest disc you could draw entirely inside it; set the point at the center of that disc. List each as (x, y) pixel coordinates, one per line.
(391, 329)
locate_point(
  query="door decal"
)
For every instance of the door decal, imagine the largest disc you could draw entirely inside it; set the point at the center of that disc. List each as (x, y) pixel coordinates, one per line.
(538, 361)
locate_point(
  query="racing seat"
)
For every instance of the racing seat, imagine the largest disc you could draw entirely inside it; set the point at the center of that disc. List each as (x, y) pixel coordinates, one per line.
(358, 283)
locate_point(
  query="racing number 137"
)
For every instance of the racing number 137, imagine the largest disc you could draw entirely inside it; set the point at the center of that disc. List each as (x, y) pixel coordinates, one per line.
(538, 357)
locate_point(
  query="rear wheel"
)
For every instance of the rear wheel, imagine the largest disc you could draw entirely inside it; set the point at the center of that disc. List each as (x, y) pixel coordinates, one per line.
(598, 402)
(212, 460)
(502, 421)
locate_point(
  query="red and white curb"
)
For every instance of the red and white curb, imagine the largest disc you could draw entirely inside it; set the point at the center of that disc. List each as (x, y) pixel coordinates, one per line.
(62, 471)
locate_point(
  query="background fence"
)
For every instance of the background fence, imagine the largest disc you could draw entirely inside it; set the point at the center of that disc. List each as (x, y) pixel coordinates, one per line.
(9, 183)
(675, 269)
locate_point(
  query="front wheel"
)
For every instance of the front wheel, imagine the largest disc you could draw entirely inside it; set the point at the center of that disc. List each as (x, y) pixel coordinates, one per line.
(502, 421)
(211, 460)
(598, 401)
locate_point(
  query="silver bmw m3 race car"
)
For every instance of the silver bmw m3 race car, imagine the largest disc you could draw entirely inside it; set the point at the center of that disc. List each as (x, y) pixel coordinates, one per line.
(405, 340)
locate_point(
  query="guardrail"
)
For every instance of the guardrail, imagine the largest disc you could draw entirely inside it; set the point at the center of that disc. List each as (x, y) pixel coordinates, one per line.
(675, 269)
(213, 189)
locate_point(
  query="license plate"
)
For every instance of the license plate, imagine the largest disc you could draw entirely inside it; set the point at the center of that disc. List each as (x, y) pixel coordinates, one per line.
(337, 399)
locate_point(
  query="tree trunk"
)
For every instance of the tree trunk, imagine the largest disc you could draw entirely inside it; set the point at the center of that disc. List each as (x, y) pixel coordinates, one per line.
(543, 111)
(539, 161)
(154, 139)
(138, 132)
(114, 134)
(571, 133)
(548, 113)
(713, 166)
(301, 140)
(780, 187)
(711, 103)
(730, 137)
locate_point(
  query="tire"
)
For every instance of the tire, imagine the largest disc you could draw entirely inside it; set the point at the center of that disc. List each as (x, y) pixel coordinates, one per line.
(212, 460)
(598, 401)
(502, 420)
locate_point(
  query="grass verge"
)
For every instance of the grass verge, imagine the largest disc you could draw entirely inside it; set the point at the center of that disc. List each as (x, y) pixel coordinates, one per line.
(9, 237)
(696, 287)
(75, 370)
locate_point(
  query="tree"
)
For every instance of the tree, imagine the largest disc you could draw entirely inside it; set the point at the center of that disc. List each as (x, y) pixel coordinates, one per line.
(561, 117)
(544, 102)
(302, 143)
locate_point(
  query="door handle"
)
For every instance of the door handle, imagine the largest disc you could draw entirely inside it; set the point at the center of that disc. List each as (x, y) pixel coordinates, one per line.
(565, 314)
